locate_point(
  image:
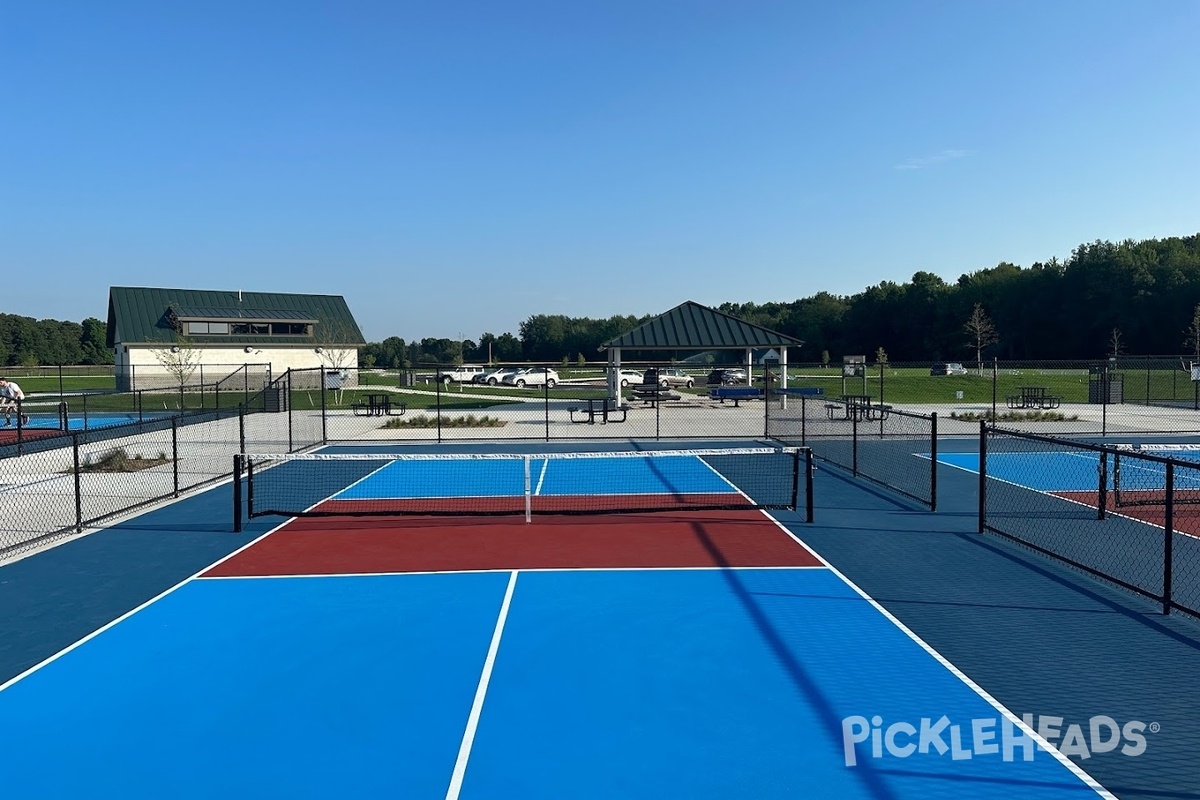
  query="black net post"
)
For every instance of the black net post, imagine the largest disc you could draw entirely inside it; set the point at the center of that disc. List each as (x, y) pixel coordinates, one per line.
(982, 476)
(933, 462)
(795, 479)
(809, 469)
(1102, 488)
(175, 453)
(1169, 532)
(249, 465)
(237, 493)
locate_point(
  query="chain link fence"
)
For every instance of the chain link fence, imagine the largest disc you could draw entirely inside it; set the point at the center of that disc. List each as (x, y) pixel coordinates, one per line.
(891, 447)
(1062, 498)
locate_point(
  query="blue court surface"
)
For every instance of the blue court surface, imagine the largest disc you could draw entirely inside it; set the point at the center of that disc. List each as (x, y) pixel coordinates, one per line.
(686, 682)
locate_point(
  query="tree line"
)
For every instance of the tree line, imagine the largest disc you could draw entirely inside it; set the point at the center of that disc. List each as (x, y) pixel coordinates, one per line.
(1131, 297)
(29, 342)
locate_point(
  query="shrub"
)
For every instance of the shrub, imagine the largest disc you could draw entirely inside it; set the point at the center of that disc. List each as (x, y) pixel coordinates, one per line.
(424, 421)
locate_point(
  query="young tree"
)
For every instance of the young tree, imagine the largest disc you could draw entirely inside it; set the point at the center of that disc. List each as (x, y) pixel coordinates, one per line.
(1116, 348)
(180, 360)
(825, 359)
(981, 333)
(881, 356)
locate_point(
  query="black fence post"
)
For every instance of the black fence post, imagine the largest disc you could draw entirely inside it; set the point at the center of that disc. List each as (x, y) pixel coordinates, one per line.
(983, 430)
(241, 429)
(237, 493)
(809, 469)
(854, 440)
(933, 462)
(803, 419)
(1169, 530)
(138, 400)
(1102, 488)
(20, 425)
(995, 380)
(60, 383)
(324, 411)
(287, 399)
(546, 403)
(438, 406)
(882, 365)
(78, 487)
(175, 452)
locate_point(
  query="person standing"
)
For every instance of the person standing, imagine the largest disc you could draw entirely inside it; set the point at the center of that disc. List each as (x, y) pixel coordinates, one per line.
(11, 398)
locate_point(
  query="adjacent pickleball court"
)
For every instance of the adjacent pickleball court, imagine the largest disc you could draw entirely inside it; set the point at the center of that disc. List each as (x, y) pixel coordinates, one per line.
(580, 646)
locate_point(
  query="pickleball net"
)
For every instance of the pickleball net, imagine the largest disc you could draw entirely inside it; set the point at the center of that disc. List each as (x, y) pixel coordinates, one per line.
(1140, 474)
(371, 484)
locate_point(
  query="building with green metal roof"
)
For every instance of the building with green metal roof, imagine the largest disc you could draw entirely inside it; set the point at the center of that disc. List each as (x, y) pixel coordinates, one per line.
(159, 333)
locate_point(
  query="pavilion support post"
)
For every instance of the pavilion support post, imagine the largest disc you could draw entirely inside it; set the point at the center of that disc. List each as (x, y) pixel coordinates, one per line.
(783, 376)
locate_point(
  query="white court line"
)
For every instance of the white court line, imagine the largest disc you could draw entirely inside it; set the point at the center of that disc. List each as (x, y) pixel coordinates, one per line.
(542, 476)
(1075, 769)
(133, 611)
(492, 571)
(464, 750)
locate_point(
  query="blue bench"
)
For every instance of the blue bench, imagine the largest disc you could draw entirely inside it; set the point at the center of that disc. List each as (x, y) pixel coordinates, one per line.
(736, 394)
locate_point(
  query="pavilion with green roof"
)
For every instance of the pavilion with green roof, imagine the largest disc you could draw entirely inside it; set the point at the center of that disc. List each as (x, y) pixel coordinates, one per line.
(691, 326)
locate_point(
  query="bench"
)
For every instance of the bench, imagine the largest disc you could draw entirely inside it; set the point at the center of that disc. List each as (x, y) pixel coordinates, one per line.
(736, 394)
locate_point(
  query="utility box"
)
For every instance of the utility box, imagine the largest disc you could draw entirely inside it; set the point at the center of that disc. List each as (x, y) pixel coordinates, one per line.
(275, 399)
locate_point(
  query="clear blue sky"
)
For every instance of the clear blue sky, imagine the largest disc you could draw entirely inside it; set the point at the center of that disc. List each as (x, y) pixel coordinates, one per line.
(454, 167)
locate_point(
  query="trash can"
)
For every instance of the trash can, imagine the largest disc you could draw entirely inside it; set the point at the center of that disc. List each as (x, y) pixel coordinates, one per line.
(1105, 387)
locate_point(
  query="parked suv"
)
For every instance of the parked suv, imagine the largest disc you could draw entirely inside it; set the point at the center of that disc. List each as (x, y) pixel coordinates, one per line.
(725, 377)
(668, 377)
(533, 376)
(462, 374)
(951, 368)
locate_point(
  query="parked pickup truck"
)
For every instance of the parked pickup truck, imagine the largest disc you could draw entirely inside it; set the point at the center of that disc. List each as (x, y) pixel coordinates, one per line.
(459, 374)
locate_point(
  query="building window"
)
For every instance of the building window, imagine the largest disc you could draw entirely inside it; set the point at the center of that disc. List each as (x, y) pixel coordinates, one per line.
(248, 328)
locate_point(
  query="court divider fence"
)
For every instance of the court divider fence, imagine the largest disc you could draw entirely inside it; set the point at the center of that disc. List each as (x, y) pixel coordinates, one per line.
(57, 481)
(1061, 498)
(891, 447)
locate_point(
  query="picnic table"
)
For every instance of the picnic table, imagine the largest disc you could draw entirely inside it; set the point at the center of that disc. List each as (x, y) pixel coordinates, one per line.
(1033, 397)
(652, 393)
(857, 407)
(597, 407)
(378, 405)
